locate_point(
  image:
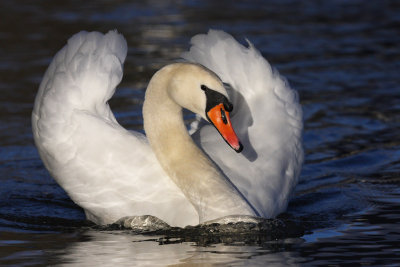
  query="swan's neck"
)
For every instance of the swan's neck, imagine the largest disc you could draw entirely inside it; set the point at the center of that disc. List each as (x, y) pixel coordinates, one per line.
(211, 194)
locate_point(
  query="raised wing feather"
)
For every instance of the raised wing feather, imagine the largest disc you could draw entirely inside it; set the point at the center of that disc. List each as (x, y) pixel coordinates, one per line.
(267, 118)
(105, 169)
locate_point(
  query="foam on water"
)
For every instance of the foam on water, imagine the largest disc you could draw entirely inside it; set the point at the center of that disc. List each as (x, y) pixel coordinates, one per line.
(229, 229)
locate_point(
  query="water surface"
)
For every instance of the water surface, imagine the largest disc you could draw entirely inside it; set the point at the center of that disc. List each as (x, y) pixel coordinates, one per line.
(343, 57)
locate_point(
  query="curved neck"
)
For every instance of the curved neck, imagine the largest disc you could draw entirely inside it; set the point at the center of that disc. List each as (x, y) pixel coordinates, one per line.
(211, 194)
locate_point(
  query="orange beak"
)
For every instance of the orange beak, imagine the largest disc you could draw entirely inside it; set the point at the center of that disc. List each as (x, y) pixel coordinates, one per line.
(219, 117)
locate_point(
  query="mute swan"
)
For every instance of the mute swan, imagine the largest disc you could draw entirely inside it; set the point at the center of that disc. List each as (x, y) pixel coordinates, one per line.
(112, 172)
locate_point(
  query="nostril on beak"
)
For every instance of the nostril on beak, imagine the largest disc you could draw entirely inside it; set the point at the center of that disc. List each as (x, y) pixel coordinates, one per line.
(223, 116)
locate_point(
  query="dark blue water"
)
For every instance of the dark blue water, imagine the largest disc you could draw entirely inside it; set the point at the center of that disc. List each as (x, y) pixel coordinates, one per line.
(343, 57)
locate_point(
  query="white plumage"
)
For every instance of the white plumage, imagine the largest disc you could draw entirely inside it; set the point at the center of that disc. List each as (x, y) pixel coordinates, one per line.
(267, 118)
(112, 172)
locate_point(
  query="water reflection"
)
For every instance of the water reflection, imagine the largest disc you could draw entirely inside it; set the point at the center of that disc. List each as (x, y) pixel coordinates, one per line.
(110, 248)
(123, 248)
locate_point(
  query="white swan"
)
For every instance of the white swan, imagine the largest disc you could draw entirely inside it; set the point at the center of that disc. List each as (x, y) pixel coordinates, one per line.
(112, 172)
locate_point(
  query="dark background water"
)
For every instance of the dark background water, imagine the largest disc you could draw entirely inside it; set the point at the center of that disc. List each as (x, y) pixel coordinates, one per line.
(343, 57)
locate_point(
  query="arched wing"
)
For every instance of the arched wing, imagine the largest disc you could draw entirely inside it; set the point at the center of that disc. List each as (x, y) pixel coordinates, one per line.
(267, 118)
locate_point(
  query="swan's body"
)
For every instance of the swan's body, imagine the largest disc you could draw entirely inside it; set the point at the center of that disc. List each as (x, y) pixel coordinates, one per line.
(112, 173)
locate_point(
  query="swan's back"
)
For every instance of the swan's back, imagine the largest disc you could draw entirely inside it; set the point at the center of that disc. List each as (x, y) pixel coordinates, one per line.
(107, 170)
(267, 118)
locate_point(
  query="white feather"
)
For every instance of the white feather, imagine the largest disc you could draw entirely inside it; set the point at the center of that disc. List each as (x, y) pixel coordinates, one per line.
(267, 118)
(107, 170)
(112, 173)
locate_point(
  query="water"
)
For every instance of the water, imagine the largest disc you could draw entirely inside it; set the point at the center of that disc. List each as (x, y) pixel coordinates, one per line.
(343, 57)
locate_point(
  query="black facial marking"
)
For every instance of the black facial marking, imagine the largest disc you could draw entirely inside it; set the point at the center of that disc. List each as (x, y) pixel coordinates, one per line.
(214, 98)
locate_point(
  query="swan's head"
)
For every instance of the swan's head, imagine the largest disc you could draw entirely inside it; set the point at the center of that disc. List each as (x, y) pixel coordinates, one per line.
(202, 92)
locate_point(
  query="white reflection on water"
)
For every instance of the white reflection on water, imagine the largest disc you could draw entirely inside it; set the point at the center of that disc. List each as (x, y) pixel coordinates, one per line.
(120, 248)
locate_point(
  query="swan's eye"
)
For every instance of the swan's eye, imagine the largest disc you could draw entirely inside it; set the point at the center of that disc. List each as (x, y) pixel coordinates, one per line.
(228, 106)
(223, 116)
(215, 98)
